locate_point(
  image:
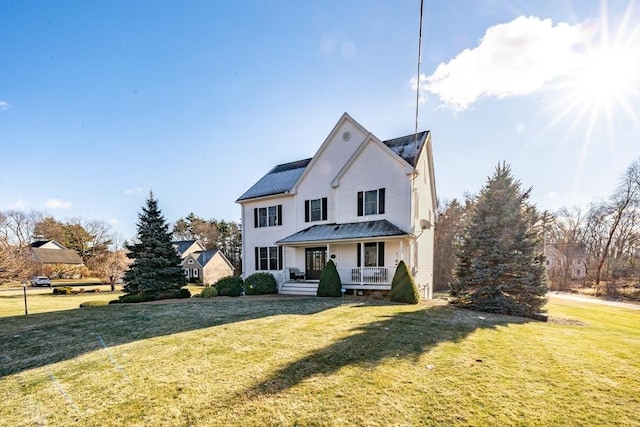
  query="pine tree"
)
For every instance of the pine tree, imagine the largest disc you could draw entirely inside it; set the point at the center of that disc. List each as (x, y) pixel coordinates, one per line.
(155, 263)
(500, 267)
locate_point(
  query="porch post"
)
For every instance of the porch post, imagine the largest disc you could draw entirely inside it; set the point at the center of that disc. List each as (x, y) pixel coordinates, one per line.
(361, 263)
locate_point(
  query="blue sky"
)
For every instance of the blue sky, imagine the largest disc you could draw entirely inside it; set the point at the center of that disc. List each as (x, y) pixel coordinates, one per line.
(102, 101)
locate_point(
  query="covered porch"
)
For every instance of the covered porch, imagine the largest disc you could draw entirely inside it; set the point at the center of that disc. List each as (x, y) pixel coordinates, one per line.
(365, 254)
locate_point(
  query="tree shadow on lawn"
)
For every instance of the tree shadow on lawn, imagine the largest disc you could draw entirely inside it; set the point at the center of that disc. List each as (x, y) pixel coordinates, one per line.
(36, 340)
(401, 336)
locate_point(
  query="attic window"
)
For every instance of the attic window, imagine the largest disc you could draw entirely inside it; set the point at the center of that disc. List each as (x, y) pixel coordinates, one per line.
(190, 261)
(346, 136)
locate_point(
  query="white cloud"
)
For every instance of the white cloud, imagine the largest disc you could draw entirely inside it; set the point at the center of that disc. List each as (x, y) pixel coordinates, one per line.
(4, 106)
(134, 190)
(57, 204)
(113, 221)
(516, 58)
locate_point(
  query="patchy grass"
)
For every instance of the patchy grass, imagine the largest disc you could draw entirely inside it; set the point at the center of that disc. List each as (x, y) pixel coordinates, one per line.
(318, 361)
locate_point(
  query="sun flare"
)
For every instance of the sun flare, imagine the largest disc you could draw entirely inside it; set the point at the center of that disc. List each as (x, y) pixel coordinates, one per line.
(605, 81)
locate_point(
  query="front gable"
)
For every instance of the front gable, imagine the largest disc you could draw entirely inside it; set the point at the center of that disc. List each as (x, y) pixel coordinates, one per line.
(341, 144)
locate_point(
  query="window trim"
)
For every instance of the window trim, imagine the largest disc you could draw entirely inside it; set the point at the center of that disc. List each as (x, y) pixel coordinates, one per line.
(269, 257)
(308, 217)
(379, 203)
(262, 216)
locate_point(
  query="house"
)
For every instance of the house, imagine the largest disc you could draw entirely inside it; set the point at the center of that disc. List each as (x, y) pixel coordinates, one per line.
(366, 204)
(566, 260)
(201, 265)
(50, 252)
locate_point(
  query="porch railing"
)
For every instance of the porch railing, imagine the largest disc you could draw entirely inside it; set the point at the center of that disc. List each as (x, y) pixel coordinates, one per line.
(366, 275)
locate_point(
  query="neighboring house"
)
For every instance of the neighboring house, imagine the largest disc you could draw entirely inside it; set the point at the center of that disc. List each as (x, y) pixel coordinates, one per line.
(568, 260)
(366, 204)
(201, 265)
(50, 252)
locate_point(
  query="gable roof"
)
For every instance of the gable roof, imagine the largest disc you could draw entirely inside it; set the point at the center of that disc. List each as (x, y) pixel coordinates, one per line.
(352, 230)
(52, 244)
(278, 180)
(284, 177)
(408, 146)
(56, 256)
(182, 245)
(203, 257)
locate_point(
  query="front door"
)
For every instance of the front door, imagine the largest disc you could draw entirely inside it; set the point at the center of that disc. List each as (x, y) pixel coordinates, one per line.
(316, 258)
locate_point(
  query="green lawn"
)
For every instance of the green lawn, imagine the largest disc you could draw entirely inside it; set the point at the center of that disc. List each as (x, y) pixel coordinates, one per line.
(311, 361)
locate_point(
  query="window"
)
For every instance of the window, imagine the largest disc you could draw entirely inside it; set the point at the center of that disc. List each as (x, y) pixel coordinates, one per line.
(373, 254)
(267, 217)
(371, 202)
(190, 261)
(315, 210)
(194, 272)
(268, 258)
(186, 272)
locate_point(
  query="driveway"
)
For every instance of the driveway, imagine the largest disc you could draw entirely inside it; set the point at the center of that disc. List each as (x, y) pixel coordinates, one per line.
(573, 297)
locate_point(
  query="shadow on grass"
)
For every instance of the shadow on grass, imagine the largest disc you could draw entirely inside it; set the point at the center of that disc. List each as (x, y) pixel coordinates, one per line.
(36, 340)
(405, 335)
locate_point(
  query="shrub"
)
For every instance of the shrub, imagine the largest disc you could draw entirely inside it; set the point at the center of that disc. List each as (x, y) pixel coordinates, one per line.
(260, 284)
(209, 292)
(63, 290)
(403, 287)
(94, 303)
(330, 284)
(114, 301)
(184, 293)
(231, 286)
(135, 298)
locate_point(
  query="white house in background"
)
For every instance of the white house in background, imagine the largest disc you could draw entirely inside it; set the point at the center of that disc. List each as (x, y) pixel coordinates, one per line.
(566, 260)
(201, 265)
(366, 204)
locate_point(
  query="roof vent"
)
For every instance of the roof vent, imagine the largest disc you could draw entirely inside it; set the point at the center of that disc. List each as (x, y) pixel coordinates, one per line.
(346, 136)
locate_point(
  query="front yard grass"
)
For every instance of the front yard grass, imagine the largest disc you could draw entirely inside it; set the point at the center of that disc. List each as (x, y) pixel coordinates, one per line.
(317, 361)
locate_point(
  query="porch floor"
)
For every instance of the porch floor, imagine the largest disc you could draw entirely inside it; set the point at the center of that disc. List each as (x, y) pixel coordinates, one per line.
(310, 287)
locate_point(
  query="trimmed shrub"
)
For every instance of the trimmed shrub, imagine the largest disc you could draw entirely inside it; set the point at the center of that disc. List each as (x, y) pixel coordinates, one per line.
(184, 293)
(230, 286)
(330, 284)
(114, 301)
(260, 284)
(209, 292)
(94, 303)
(135, 298)
(63, 290)
(403, 287)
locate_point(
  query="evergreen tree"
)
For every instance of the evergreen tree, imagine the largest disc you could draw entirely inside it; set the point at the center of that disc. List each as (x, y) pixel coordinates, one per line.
(403, 286)
(500, 267)
(155, 263)
(330, 284)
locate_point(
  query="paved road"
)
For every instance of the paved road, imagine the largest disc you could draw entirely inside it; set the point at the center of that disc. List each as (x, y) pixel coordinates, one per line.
(574, 297)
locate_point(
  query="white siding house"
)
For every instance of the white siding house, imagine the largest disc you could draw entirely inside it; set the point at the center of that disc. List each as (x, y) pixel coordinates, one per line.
(365, 203)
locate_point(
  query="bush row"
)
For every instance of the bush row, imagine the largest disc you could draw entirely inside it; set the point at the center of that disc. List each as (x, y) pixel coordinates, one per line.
(234, 286)
(153, 296)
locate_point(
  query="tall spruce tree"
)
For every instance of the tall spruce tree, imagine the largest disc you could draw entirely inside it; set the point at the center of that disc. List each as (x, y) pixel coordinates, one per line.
(155, 263)
(500, 266)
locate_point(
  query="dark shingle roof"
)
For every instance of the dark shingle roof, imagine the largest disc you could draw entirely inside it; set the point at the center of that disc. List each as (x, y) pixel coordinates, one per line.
(406, 147)
(283, 177)
(182, 245)
(279, 180)
(56, 256)
(353, 230)
(203, 257)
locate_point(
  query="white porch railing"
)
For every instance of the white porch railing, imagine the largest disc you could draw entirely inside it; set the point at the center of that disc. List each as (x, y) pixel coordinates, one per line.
(366, 275)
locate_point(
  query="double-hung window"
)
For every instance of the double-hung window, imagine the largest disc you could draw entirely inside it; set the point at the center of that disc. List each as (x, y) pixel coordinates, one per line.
(373, 254)
(315, 210)
(371, 202)
(268, 216)
(268, 258)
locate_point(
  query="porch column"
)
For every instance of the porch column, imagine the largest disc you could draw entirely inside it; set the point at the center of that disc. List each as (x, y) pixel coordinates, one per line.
(361, 263)
(401, 250)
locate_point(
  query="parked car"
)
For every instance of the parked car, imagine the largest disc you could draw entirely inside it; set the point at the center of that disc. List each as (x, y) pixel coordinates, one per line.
(40, 281)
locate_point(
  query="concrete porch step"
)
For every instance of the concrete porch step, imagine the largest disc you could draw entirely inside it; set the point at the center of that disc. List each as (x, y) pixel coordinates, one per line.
(299, 288)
